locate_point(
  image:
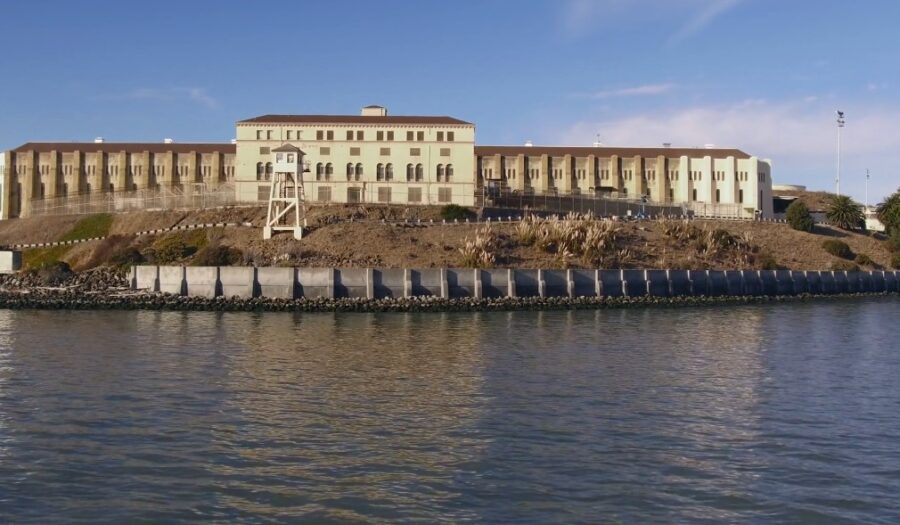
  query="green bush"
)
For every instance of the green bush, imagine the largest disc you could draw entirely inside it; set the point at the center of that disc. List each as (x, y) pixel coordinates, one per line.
(169, 249)
(453, 212)
(217, 255)
(837, 248)
(844, 266)
(798, 217)
(895, 260)
(767, 262)
(844, 213)
(864, 260)
(893, 241)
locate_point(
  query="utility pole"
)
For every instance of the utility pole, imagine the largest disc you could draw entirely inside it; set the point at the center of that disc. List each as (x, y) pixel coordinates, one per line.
(840, 124)
(867, 189)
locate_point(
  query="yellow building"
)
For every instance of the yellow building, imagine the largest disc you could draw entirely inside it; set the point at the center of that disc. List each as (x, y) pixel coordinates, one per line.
(372, 157)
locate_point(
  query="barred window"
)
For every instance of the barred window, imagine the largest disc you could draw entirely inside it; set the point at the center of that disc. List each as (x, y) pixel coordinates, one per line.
(384, 195)
(324, 194)
(415, 195)
(445, 194)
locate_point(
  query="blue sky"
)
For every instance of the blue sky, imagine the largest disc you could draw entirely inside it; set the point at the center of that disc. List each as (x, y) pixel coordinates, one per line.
(761, 75)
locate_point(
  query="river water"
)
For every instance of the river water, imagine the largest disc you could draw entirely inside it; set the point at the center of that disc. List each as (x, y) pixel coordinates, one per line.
(755, 414)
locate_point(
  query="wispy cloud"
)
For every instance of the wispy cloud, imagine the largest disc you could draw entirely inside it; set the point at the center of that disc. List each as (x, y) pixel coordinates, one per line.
(169, 94)
(633, 91)
(581, 16)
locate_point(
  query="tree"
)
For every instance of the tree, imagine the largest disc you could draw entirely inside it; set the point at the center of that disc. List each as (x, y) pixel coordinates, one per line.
(844, 213)
(798, 216)
(889, 213)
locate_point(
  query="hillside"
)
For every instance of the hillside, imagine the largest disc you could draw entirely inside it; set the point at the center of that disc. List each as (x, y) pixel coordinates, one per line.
(368, 242)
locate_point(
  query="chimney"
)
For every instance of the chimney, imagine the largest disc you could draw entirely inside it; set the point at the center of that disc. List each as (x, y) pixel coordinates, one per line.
(98, 140)
(168, 141)
(374, 111)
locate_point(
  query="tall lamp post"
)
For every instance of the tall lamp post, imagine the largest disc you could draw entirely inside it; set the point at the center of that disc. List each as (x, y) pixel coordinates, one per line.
(840, 124)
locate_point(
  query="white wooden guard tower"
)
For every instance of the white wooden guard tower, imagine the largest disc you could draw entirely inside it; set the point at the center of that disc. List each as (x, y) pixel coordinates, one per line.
(286, 193)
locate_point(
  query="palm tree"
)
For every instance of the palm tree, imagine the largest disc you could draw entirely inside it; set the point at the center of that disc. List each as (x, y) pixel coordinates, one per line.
(889, 212)
(844, 213)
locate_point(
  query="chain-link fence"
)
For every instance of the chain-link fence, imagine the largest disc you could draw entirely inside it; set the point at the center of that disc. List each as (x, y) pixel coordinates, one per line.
(191, 196)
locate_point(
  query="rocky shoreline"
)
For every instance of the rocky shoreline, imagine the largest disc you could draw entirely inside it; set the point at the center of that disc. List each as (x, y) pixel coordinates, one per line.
(104, 289)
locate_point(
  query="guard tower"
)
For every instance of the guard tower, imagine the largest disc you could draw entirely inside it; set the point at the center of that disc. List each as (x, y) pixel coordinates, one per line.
(286, 193)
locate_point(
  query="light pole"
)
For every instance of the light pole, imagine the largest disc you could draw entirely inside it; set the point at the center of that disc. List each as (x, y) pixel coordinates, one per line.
(867, 190)
(840, 124)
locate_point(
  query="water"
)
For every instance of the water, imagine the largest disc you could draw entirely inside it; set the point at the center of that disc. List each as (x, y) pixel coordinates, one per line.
(758, 414)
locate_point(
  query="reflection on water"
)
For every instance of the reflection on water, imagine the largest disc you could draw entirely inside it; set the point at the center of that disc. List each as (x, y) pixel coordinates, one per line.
(751, 414)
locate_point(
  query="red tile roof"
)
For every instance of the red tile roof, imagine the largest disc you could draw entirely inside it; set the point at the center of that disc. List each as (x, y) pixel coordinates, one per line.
(603, 151)
(130, 147)
(355, 119)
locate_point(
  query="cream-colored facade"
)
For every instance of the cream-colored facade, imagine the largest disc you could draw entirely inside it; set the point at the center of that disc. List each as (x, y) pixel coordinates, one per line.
(42, 170)
(372, 157)
(725, 181)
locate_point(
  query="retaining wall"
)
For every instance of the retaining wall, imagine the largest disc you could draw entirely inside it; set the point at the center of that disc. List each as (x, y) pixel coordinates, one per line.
(376, 283)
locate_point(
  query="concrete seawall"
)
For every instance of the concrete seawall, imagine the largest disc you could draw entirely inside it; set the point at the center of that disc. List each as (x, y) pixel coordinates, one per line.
(378, 283)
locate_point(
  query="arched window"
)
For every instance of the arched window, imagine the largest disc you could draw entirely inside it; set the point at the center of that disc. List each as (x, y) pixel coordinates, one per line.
(320, 170)
(389, 172)
(440, 172)
(420, 172)
(409, 172)
(260, 171)
(268, 170)
(359, 171)
(349, 171)
(329, 171)
(449, 173)
(379, 174)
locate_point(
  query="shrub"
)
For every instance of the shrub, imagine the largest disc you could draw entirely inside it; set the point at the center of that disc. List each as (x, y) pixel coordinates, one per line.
(893, 241)
(837, 248)
(53, 273)
(844, 213)
(767, 262)
(864, 260)
(217, 255)
(478, 253)
(889, 214)
(169, 249)
(453, 212)
(798, 217)
(125, 257)
(895, 260)
(844, 266)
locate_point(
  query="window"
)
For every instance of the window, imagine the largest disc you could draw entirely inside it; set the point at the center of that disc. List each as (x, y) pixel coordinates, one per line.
(320, 170)
(324, 151)
(415, 195)
(279, 157)
(269, 170)
(290, 157)
(384, 195)
(379, 135)
(349, 171)
(694, 195)
(445, 194)
(360, 135)
(259, 134)
(449, 136)
(349, 134)
(449, 173)
(379, 172)
(741, 196)
(359, 171)
(390, 135)
(320, 134)
(410, 172)
(329, 135)
(440, 172)
(410, 136)
(420, 172)
(290, 135)
(440, 136)
(329, 171)
(718, 195)
(445, 152)
(420, 136)
(671, 195)
(269, 135)
(324, 194)
(384, 152)
(389, 172)
(354, 152)
(415, 152)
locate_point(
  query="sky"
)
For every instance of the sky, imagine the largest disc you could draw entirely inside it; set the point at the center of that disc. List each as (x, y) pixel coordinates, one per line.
(765, 76)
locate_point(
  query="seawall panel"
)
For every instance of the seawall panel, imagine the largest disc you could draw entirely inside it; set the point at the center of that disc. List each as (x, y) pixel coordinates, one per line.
(202, 281)
(801, 284)
(611, 283)
(784, 282)
(584, 283)
(147, 278)
(635, 283)
(526, 283)
(699, 282)
(389, 282)
(277, 283)
(171, 280)
(814, 282)
(556, 283)
(769, 283)
(352, 282)
(734, 281)
(237, 281)
(658, 283)
(460, 282)
(718, 286)
(679, 282)
(494, 283)
(752, 283)
(426, 282)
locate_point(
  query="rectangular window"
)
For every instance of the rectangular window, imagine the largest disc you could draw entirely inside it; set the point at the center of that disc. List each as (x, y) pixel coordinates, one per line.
(320, 135)
(379, 135)
(415, 152)
(264, 150)
(354, 152)
(290, 134)
(445, 194)
(330, 135)
(440, 136)
(269, 135)
(360, 135)
(390, 135)
(384, 151)
(349, 134)
(410, 136)
(694, 195)
(415, 195)
(384, 195)
(259, 134)
(741, 196)
(449, 136)
(445, 152)
(324, 151)
(420, 136)
(324, 194)
(718, 195)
